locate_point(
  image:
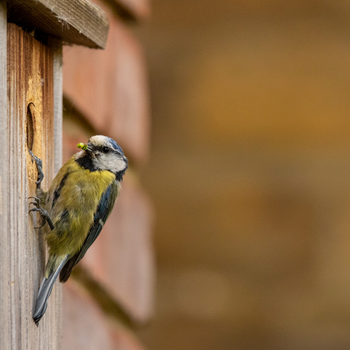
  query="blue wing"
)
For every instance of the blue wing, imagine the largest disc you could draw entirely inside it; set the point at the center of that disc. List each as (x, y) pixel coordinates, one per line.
(104, 208)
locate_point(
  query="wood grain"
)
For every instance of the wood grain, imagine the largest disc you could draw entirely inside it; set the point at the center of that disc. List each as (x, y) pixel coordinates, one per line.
(4, 176)
(74, 21)
(56, 46)
(30, 80)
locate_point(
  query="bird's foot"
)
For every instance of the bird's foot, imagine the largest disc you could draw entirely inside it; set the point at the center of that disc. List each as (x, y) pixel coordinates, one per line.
(39, 166)
(44, 214)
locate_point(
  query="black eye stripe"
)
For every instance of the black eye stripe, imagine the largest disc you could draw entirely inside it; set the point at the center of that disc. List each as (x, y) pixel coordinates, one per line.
(102, 149)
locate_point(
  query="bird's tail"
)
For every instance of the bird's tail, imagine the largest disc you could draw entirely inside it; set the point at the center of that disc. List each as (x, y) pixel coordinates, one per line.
(46, 288)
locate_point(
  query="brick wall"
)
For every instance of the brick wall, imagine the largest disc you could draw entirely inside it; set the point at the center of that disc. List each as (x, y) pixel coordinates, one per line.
(249, 174)
(105, 92)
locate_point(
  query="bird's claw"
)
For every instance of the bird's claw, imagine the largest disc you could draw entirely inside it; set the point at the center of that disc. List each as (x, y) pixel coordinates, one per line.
(36, 201)
(44, 214)
(39, 166)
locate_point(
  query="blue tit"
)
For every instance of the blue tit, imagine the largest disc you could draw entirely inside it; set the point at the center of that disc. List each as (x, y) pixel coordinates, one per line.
(76, 207)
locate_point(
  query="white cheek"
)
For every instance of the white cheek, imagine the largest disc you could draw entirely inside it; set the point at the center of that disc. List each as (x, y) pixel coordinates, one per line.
(119, 165)
(113, 164)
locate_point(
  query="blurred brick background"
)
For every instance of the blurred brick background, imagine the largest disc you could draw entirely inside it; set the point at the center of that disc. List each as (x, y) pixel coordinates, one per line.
(249, 176)
(106, 92)
(250, 173)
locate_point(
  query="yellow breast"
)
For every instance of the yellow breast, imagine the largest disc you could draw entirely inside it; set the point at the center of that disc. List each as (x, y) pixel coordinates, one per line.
(78, 198)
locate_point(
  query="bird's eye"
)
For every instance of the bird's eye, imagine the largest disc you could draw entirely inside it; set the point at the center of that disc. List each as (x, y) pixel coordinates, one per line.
(105, 149)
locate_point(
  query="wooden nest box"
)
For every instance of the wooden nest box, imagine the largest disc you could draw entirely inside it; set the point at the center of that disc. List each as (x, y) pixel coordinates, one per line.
(32, 33)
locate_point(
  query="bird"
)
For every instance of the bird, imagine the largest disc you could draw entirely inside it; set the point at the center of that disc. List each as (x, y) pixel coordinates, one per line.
(76, 207)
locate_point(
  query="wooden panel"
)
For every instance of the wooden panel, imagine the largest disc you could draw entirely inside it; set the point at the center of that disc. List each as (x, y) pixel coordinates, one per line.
(4, 174)
(30, 79)
(74, 21)
(56, 46)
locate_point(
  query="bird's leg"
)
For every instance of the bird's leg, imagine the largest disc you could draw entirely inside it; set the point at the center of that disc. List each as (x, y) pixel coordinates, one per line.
(39, 166)
(44, 214)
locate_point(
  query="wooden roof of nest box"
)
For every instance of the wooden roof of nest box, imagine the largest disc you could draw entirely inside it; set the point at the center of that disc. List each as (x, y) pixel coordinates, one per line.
(77, 22)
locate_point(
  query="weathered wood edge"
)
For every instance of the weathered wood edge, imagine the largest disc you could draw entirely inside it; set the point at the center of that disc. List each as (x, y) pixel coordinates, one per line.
(4, 173)
(56, 46)
(77, 22)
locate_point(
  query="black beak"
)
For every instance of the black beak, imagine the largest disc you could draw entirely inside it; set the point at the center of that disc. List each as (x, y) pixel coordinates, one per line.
(89, 148)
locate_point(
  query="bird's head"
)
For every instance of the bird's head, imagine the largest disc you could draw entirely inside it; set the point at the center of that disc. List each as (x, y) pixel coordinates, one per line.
(104, 154)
